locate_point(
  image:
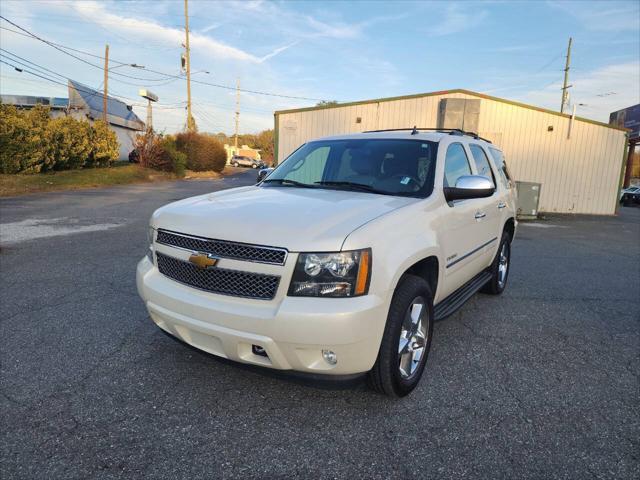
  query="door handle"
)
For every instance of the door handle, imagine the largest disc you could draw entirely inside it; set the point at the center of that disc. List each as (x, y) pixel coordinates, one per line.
(480, 215)
(502, 205)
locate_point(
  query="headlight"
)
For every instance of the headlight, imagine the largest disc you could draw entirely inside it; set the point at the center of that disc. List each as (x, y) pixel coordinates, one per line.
(340, 274)
(150, 239)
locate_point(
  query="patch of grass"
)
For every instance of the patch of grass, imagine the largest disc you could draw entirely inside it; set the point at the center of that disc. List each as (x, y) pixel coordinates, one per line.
(120, 174)
(210, 173)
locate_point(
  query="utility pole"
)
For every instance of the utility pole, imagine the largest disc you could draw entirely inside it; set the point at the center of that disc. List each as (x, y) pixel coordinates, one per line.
(191, 123)
(106, 83)
(566, 87)
(237, 112)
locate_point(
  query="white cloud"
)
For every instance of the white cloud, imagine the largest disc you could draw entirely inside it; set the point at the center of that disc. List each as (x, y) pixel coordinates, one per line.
(156, 32)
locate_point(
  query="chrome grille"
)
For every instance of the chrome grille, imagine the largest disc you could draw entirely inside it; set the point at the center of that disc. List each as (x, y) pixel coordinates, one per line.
(219, 280)
(223, 248)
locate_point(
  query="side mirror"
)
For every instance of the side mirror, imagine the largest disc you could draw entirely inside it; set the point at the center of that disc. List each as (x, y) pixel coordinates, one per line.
(470, 186)
(263, 173)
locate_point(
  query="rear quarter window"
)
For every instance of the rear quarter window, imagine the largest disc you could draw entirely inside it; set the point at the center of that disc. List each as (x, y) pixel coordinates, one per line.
(501, 165)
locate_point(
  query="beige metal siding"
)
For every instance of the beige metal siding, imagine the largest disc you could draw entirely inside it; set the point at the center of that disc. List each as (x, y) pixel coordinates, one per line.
(579, 174)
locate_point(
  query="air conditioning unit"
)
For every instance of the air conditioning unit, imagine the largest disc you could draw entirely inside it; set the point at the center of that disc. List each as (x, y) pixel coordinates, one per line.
(528, 200)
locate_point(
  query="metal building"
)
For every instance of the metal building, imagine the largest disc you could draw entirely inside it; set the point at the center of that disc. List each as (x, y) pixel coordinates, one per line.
(579, 162)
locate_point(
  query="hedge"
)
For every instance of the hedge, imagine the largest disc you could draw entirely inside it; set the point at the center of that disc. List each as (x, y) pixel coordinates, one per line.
(32, 142)
(203, 151)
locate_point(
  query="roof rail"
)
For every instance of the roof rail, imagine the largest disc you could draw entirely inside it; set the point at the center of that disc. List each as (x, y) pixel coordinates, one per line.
(415, 130)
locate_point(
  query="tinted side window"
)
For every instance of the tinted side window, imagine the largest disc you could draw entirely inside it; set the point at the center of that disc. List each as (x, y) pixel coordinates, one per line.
(456, 164)
(498, 158)
(482, 162)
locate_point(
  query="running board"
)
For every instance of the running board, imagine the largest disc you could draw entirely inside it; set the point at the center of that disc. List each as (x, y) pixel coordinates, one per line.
(458, 298)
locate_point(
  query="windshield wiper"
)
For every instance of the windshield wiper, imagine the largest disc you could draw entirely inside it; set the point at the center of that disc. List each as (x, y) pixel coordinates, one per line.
(286, 181)
(353, 185)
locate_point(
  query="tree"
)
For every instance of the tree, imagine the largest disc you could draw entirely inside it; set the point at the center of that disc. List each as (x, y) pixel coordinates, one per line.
(264, 142)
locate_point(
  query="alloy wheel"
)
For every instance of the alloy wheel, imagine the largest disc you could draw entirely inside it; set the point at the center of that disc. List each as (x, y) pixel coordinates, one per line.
(413, 338)
(503, 265)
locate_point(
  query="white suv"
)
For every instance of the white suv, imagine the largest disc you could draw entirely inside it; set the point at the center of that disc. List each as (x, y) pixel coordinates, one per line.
(360, 243)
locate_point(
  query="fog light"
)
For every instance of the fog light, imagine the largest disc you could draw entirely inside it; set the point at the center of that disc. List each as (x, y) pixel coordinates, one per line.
(330, 357)
(258, 350)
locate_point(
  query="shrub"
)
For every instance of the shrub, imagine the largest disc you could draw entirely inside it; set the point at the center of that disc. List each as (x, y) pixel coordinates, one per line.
(104, 146)
(203, 151)
(160, 154)
(69, 143)
(178, 158)
(23, 139)
(31, 142)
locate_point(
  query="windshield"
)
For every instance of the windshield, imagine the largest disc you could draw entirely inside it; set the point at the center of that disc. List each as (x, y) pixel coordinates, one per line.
(391, 167)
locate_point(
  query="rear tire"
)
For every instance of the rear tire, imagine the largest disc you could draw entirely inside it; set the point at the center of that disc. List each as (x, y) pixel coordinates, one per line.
(406, 341)
(499, 268)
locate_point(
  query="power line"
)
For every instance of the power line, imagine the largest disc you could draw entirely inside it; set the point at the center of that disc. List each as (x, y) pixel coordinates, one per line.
(168, 75)
(92, 92)
(39, 68)
(53, 45)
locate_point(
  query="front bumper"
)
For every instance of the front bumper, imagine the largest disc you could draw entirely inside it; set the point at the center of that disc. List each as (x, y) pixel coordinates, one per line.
(292, 330)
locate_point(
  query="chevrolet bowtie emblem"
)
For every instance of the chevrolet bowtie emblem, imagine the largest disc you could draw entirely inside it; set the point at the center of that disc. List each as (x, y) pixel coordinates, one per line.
(202, 260)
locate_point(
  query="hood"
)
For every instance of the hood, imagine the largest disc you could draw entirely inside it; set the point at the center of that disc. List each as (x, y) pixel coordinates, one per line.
(298, 219)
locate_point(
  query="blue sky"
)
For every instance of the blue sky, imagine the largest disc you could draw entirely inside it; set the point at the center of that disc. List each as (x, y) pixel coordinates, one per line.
(333, 50)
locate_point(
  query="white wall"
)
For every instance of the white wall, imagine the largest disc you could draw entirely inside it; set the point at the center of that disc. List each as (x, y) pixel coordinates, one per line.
(126, 139)
(579, 174)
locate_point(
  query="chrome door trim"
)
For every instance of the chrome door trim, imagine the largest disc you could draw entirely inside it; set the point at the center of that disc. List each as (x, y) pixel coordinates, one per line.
(457, 260)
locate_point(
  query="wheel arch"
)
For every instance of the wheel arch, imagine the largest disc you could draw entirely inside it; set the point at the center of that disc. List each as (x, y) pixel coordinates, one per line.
(510, 227)
(428, 269)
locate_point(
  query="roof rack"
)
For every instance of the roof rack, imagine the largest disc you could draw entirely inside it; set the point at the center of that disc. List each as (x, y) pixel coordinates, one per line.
(416, 130)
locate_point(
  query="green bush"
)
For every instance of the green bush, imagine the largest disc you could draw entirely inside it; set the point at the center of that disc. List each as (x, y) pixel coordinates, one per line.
(178, 159)
(203, 151)
(160, 154)
(32, 142)
(69, 144)
(23, 139)
(104, 145)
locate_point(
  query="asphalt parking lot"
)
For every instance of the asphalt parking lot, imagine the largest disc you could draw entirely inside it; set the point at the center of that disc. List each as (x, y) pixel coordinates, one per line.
(542, 382)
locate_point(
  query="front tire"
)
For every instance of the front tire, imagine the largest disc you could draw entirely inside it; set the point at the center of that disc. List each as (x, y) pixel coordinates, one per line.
(406, 341)
(499, 269)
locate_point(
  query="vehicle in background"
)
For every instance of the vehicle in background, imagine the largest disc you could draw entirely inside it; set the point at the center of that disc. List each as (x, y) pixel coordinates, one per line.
(263, 172)
(242, 161)
(134, 156)
(630, 196)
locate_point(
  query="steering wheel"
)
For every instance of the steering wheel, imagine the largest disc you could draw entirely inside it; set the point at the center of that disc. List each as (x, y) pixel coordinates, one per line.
(411, 178)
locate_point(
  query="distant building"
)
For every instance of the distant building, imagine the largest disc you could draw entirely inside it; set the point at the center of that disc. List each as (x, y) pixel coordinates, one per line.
(242, 151)
(57, 105)
(86, 103)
